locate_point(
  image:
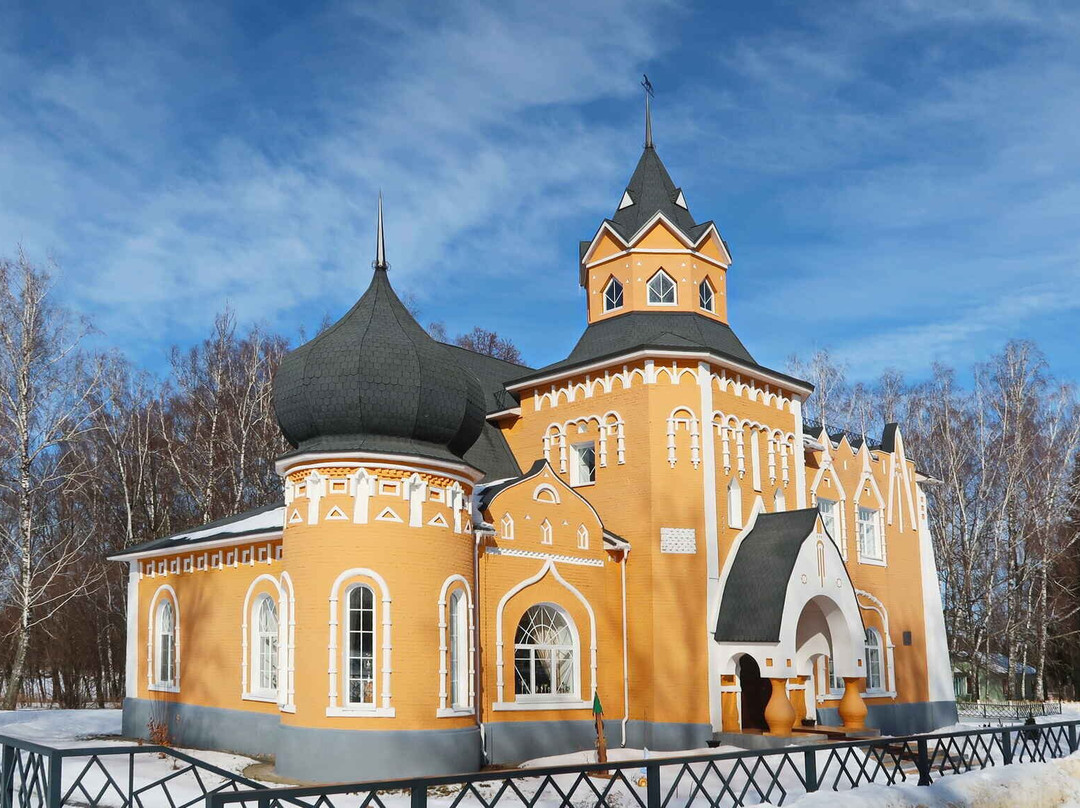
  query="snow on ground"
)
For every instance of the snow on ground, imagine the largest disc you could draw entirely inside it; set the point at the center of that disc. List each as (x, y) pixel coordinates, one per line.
(74, 729)
(1029, 785)
(1024, 785)
(59, 726)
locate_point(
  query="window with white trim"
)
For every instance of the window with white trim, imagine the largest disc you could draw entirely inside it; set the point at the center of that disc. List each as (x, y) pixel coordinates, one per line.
(873, 660)
(583, 463)
(869, 535)
(545, 653)
(459, 650)
(613, 295)
(706, 296)
(827, 509)
(165, 644)
(662, 290)
(360, 647)
(264, 647)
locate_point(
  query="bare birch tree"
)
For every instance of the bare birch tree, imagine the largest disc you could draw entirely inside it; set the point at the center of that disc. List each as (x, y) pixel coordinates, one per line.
(46, 391)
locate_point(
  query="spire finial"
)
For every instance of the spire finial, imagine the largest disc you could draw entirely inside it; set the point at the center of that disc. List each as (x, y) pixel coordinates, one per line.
(380, 243)
(648, 112)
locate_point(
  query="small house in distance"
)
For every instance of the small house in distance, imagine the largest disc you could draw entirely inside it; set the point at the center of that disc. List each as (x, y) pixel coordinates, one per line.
(468, 550)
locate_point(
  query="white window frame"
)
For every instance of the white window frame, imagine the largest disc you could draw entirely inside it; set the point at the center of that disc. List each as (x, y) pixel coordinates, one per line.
(574, 649)
(834, 683)
(828, 517)
(257, 658)
(459, 691)
(702, 287)
(674, 290)
(171, 682)
(611, 305)
(576, 464)
(347, 651)
(868, 520)
(875, 661)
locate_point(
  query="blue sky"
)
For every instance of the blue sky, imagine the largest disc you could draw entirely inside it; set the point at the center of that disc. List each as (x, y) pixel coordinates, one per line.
(897, 181)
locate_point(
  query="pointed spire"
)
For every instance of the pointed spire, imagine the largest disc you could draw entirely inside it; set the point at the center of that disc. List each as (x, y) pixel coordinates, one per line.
(648, 110)
(380, 243)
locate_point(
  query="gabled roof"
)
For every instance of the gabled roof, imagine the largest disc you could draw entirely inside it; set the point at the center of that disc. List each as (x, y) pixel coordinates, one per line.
(752, 607)
(268, 519)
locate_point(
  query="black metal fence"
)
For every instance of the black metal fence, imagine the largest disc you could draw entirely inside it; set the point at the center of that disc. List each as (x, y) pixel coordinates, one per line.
(1007, 710)
(38, 776)
(34, 775)
(714, 780)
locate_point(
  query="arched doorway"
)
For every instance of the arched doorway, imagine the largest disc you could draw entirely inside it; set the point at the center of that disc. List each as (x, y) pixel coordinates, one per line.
(755, 694)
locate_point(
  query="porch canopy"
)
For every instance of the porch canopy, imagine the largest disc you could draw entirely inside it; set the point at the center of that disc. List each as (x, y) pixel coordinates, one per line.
(786, 598)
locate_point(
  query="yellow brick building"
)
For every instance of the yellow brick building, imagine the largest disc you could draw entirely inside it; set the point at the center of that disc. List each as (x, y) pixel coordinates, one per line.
(469, 550)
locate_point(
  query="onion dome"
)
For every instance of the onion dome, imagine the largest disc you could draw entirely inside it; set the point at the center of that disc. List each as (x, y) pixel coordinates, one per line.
(376, 382)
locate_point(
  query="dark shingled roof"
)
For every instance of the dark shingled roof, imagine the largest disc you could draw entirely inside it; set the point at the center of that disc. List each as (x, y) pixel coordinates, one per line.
(651, 190)
(491, 453)
(661, 331)
(375, 381)
(753, 603)
(229, 527)
(491, 491)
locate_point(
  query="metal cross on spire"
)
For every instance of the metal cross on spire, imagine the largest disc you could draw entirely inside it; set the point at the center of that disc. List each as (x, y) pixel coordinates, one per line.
(648, 112)
(380, 242)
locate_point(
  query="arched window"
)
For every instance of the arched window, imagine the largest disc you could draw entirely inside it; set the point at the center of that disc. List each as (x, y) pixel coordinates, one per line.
(734, 504)
(459, 650)
(165, 644)
(613, 295)
(264, 647)
(360, 647)
(545, 656)
(661, 289)
(873, 660)
(706, 296)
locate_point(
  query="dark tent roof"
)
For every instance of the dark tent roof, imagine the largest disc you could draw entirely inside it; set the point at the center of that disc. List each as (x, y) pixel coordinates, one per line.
(647, 330)
(753, 604)
(651, 190)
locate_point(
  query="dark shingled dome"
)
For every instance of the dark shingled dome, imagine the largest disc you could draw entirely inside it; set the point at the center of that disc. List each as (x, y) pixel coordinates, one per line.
(376, 382)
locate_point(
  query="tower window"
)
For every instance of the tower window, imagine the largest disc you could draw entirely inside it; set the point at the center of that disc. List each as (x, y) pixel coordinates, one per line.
(706, 296)
(661, 290)
(613, 296)
(360, 646)
(583, 469)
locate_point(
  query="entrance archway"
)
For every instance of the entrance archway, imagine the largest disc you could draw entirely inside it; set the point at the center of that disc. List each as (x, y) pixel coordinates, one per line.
(755, 694)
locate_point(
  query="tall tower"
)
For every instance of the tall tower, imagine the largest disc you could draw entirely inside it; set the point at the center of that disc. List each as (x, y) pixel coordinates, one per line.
(651, 255)
(377, 535)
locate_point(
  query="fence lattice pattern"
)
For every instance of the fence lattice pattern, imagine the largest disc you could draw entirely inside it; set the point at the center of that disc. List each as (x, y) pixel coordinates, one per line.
(38, 776)
(1007, 710)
